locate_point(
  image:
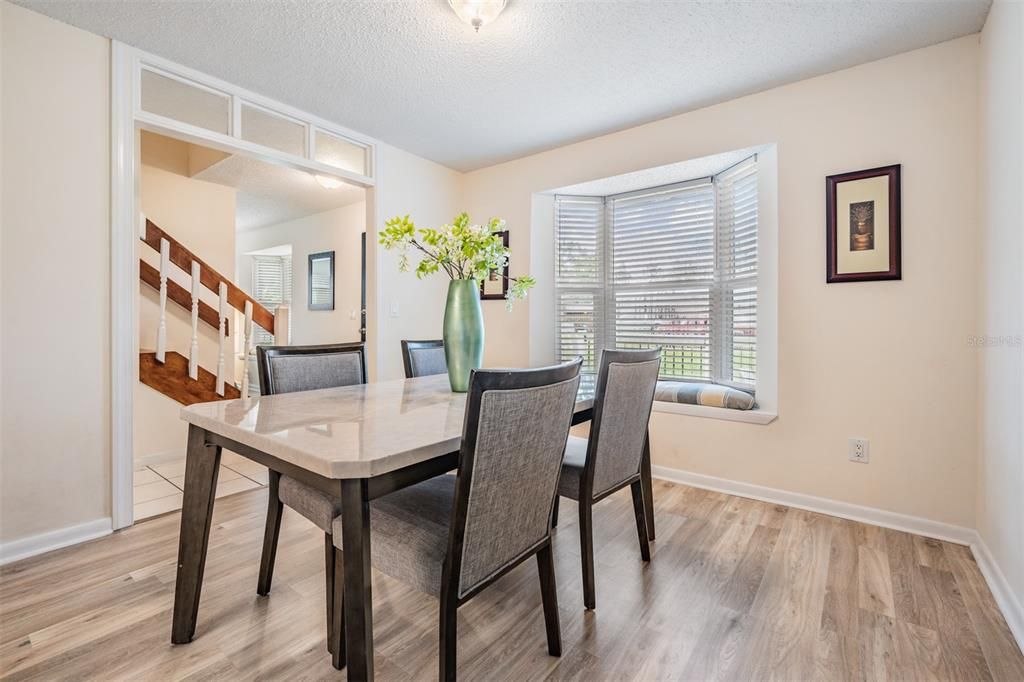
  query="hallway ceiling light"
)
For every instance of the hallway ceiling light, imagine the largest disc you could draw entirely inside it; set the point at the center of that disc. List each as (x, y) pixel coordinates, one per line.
(478, 13)
(327, 182)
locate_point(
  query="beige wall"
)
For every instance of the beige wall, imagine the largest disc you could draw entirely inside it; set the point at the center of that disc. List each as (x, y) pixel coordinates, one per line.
(200, 215)
(55, 367)
(339, 230)
(887, 361)
(56, 223)
(1001, 303)
(407, 308)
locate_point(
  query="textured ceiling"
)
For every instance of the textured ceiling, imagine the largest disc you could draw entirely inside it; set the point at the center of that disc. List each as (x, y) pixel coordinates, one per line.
(409, 73)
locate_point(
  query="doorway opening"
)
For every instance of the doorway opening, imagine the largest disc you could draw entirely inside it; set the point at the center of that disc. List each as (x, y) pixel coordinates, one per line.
(263, 236)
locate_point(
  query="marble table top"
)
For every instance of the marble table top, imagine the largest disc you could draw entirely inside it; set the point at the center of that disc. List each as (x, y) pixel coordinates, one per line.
(350, 432)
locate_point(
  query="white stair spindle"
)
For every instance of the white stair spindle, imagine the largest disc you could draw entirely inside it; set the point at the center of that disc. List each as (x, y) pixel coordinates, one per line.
(193, 353)
(222, 317)
(161, 332)
(246, 348)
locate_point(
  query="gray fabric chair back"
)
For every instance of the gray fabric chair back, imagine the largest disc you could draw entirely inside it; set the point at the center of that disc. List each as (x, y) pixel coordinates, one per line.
(423, 358)
(622, 408)
(286, 369)
(517, 423)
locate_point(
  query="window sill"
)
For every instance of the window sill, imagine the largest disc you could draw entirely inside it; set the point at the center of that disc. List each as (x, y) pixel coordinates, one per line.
(754, 416)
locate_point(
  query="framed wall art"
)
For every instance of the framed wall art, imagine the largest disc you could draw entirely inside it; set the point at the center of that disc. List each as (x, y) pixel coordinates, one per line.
(495, 287)
(863, 225)
(320, 284)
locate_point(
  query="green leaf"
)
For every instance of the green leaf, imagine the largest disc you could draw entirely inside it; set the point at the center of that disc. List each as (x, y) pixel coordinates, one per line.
(461, 248)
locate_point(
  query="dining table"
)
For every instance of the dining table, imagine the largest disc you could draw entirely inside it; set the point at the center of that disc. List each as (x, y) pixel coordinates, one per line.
(355, 443)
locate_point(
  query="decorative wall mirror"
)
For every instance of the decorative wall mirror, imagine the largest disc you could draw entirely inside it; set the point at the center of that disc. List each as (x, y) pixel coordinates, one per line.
(321, 281)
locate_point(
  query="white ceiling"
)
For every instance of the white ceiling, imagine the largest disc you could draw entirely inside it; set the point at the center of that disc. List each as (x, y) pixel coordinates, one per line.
(269, 194)
(546, 73)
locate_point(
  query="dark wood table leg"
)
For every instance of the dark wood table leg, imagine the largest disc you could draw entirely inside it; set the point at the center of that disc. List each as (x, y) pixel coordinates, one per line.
(648, 486)
(201, 466)
(271, 533)
(355, 540)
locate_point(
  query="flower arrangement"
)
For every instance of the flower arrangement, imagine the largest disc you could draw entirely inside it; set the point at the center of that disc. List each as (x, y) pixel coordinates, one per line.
(464, 251)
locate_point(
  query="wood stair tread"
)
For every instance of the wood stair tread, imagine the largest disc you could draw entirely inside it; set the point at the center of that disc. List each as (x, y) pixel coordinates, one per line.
(171, 378)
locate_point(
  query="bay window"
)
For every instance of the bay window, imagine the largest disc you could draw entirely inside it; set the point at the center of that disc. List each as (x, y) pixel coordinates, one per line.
(672, 266)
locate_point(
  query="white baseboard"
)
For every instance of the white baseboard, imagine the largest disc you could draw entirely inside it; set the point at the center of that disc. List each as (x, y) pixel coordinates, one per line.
(1007, 601)
(823, 505)
(158, 458)
(55, 539)
(1005, 598)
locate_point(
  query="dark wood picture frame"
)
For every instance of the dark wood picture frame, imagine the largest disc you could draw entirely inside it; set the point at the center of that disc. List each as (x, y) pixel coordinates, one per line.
(328, 305)
(895, 271)
(504, 280)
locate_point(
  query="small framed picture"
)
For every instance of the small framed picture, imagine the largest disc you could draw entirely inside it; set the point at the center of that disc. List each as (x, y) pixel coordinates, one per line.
(495, 287)
(320, 290)
(862, 215)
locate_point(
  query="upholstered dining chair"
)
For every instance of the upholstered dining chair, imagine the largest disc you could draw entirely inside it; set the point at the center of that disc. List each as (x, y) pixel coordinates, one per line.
(610, 458)
(285, 369)
(452, 536)
(423, 358)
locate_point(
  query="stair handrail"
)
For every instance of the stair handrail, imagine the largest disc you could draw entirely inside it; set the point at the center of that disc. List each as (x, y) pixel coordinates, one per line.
(182, 257)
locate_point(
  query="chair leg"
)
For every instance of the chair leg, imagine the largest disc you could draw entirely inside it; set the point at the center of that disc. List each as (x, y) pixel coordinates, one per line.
(546, 568)
(554, 512)
(645, 477)
(449, 623)
(329, 588)
(587, 552)
(337, 594)
(270, 535)
(640, 511)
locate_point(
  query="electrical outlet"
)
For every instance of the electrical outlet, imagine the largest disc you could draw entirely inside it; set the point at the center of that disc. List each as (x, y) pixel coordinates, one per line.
(859, 450)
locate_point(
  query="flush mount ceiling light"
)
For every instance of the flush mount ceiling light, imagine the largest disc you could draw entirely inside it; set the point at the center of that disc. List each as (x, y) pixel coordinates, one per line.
(478, 13)
(327, 182)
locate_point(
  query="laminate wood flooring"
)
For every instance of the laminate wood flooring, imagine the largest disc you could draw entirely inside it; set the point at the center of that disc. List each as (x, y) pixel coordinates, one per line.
(737, 590)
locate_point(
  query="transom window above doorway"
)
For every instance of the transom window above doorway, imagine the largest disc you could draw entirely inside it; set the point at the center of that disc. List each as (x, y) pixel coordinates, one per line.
(171, 99)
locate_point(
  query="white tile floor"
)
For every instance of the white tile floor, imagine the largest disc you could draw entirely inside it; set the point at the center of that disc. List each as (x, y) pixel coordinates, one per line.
(158, 488)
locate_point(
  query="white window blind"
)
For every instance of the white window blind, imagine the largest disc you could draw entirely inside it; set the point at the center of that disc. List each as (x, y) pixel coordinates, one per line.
(672, 266)
(663, 270)
(737, 267)
(271, 286)
(579, 278)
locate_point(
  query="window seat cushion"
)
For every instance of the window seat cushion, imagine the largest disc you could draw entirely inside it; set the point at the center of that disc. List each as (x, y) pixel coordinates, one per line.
(709, 395)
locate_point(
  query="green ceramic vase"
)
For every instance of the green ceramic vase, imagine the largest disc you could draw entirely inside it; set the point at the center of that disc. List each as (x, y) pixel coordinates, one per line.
(463, 332)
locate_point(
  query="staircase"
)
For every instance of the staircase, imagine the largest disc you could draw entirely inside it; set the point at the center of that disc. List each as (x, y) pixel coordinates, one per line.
(172, 373)
(171, 378)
